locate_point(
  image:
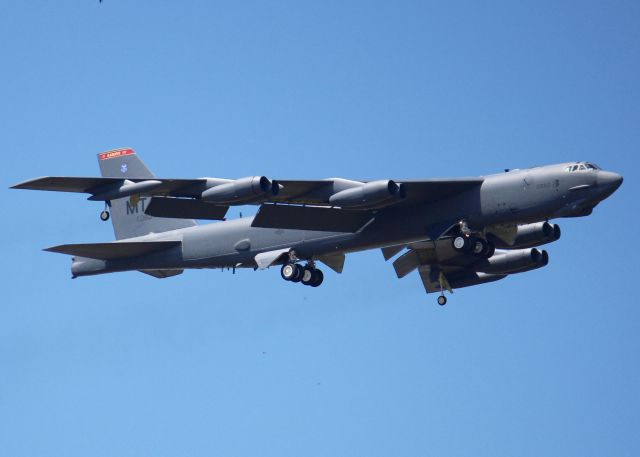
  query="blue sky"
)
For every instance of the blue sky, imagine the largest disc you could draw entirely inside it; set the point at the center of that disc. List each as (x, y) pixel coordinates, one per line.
(208, 363)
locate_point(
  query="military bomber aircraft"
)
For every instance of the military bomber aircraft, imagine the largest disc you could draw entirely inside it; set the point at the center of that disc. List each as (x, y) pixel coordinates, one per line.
(456, 232)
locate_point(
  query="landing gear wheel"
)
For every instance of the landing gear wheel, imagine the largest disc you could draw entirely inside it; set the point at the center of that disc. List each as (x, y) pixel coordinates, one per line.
(442, 300)
(491, 249)
(288, 271)
(104, 216)
(479, 247)
(317, 278)
(460, 243)
(298, 271)
(308, 274)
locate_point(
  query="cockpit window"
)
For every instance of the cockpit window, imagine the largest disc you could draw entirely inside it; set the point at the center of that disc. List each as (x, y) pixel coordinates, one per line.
(583, 166)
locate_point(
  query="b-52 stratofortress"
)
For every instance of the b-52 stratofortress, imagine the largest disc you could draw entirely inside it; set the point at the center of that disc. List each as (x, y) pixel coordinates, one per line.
(456, 232)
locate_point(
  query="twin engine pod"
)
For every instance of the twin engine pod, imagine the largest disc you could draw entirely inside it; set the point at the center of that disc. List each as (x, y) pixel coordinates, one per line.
(253, 189)
(513, 261)
(529, 235)
(371, 195)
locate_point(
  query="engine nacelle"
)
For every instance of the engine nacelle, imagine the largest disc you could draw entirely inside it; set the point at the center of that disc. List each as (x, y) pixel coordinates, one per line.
(242, 191)
(126, 189)
(531, 235)
(371, 195)
(513, 261)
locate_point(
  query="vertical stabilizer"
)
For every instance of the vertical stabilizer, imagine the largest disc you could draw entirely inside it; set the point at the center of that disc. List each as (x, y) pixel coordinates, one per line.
(127, 214)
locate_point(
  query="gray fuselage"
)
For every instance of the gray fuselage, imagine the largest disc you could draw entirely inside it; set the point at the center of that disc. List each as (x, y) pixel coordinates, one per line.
(513, 197)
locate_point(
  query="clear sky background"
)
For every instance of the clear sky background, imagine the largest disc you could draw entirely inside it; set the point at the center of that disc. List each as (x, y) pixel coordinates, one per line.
(544, 363)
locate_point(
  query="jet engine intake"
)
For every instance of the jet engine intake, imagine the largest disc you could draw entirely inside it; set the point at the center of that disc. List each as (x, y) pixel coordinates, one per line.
(371, 195)
(252, 189)
(513, 261)
(532, 235)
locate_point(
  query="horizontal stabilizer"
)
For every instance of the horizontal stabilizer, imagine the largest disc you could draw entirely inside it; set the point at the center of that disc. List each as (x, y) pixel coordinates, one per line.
(185, 209)
(315, 218)
(115, 250)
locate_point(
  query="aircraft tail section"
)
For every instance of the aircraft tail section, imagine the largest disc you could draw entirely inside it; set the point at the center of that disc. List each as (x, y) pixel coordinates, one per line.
(127, 214)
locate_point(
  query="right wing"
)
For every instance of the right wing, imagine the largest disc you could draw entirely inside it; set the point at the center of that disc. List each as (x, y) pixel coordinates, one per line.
(442, 268)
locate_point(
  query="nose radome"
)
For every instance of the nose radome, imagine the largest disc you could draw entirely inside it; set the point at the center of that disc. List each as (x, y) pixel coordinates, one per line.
(609, 180)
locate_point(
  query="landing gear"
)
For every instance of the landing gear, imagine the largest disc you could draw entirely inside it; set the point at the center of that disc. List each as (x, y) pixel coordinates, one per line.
(442, 300)
(475, 245)
(291, 272)
(104, 215)
(478, 246)
(461, 243)
(315, 277)
(308, 275)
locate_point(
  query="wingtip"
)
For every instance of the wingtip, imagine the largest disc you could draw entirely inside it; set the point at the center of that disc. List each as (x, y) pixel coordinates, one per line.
(24, 184)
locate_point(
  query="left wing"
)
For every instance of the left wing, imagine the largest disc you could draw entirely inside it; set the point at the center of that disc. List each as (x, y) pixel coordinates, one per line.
(96, 186)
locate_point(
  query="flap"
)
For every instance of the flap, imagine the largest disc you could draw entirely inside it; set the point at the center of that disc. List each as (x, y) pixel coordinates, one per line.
(391, 251)
(406, 263)
(115, 250)
(431, 190)
(333, 261)
(161, 274)
(184, 208)
(315, 218)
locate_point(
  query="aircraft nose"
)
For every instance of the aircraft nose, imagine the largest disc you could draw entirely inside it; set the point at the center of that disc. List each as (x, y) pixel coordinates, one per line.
(609, 181)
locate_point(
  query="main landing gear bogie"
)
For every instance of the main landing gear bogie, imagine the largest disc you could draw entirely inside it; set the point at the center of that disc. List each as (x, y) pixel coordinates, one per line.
(474, 245)
(307, 275)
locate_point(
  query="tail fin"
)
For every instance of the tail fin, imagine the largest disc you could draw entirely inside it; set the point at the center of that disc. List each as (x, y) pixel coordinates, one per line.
(127, 214)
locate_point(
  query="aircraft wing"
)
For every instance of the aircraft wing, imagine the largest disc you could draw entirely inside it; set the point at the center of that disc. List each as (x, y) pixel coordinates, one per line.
(93, 185)
(435, 274)
(442, 268)
(318, 192)
(339, 205)
(317, 218)
(113, 250)
(323, 215)
(312, 192)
